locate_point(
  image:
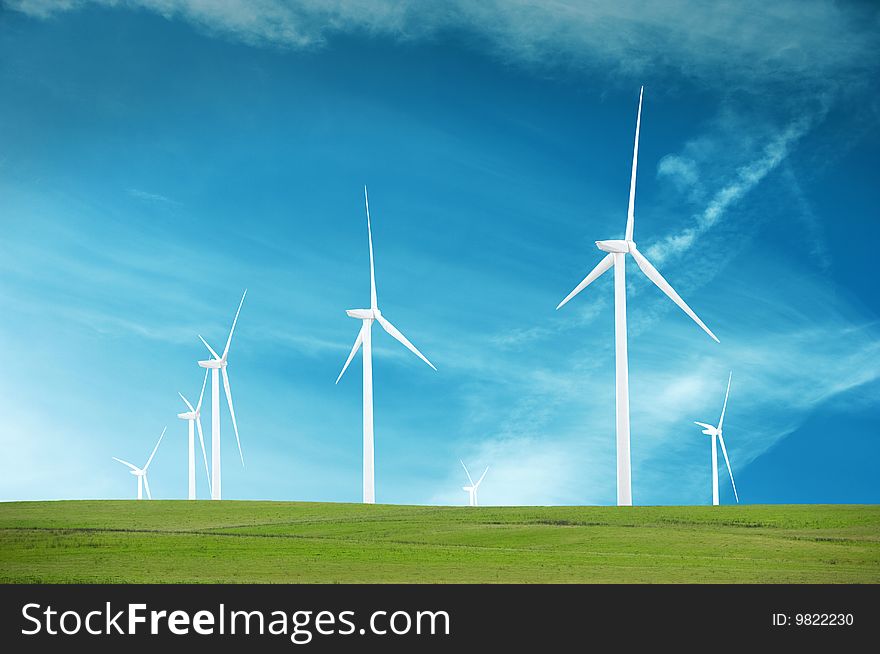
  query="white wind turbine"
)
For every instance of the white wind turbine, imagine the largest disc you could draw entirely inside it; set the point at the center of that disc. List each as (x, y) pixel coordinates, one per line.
(216, 366)
(141, 473)
(364, 339)
(194, 417)
(717, 435)
(472, 489)
(617, 251)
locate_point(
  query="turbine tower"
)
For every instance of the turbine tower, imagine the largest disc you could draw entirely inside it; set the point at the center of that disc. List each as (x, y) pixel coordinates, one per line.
(194, 417)
(472, 489)
(217, 365)
(717, 435)
(617, 251)
(141, 473)
(367, 316)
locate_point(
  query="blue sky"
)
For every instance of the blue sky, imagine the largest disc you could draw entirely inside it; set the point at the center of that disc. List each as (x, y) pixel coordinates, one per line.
(159, 156)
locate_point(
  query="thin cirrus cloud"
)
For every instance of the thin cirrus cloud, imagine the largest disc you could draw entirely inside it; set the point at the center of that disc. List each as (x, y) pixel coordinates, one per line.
(792, 41)
(793, 46)
(745, 177)
(146, 196)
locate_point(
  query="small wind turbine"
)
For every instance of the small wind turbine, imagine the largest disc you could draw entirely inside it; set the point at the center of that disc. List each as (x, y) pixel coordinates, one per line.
(472, 489)
(716, 434)
(216, 366)
(617, 251)
(194, 417)
(364, 339)
(141, 473)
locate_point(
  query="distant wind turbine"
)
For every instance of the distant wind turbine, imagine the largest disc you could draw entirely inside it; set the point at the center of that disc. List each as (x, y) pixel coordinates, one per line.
(364, 340)
(717, 434)
(216, 366)
(141, 473)
(194, 417)
(617, 251)
(472, 489)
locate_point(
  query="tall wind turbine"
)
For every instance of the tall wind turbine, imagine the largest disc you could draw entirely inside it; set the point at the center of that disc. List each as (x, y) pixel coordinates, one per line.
(367, 316)
(216, 366)
(141, 473)
(617, 251)
(194, 417)
(717, 435)
(472, 489)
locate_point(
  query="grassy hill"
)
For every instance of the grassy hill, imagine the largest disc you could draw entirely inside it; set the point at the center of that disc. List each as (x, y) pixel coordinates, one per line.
(287, 542)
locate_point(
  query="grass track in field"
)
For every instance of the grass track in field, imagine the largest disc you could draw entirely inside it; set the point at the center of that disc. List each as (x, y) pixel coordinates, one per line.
(288, 542)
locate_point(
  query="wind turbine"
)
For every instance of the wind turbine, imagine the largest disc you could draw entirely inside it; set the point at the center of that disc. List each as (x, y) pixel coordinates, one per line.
(364, 339)
(216, 366)
(717, 435)
(617, 251)
(194, 417)
(141, 473)
(472, 489)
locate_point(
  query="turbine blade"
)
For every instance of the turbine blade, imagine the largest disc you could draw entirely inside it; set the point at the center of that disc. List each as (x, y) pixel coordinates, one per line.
(391, 329)
(652, 274)
(235, 320)
(147, 487)
(232, 412)
(729, 471)
(126, 463)
(210, 349)
(204, 453)
(466, 472)
(202, 394)
(186, 401)
(724, 408)
(480, 481)
(374, 303)
(704, 425)
(354, 349)
(595, 273)
(155, 448)
(632, 181)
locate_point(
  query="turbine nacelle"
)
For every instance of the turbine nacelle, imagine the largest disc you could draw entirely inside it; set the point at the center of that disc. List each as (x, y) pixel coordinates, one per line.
(213, 363)
(189, 415)
(709, 430)
(616, 246)
(363, 314)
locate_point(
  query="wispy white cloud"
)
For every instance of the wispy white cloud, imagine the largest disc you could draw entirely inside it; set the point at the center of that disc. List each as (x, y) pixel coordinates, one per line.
(681, 170)
(151, 197)
(745, 178)
(719, 44)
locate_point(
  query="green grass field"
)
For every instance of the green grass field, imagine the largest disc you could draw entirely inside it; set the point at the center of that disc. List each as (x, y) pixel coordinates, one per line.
(286, 542)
